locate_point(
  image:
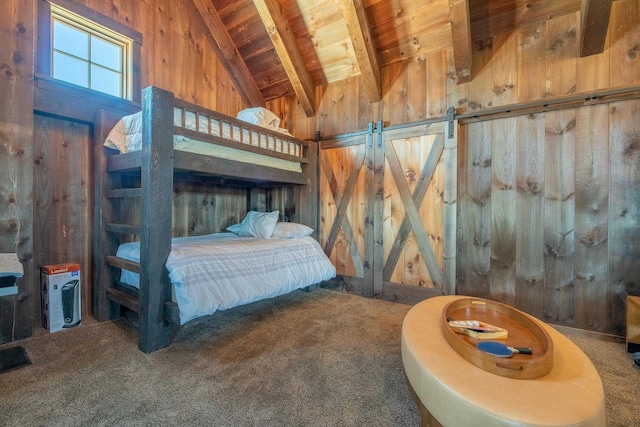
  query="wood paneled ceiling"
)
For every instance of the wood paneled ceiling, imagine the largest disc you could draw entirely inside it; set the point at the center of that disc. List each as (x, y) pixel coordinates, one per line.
(274, 48)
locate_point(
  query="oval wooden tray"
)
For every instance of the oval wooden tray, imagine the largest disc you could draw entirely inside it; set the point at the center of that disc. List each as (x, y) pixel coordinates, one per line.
(523, 331)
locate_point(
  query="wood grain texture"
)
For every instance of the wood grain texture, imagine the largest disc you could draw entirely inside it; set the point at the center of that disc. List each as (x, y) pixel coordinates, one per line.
(224, 47)
(419, 158)
(531, 62)
(360, 33)
(504, 70)
(479, 163)
(338, 189)
(503, 211)
(593, 72)
(594, 25)
(591, 213)
(491, 18)
(624, 209)
(530, 214)
(436, 81)
(562, 53)
(373, 216)
(156, 217)
(63, 198)
(457, 95)
(18, 313)
(411, 210)
(624, 34)
(463, 286)
(461, 38)
(284, 41)
(559, 216)
(417, 96)
(479, 97)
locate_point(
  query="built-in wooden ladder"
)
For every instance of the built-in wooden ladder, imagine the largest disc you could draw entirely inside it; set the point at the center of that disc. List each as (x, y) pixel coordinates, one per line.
(112, 292)
(152, 186)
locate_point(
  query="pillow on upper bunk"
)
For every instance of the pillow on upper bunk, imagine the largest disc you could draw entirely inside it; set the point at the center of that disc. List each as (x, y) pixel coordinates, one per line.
(291, 230)
(259, 224)
(126, 135)
(260, 116)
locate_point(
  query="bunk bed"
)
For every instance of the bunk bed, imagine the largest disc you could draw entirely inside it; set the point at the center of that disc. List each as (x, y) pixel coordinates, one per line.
(131, 268)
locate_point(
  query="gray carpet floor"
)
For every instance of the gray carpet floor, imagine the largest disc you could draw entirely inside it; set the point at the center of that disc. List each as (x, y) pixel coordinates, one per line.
(321, 358)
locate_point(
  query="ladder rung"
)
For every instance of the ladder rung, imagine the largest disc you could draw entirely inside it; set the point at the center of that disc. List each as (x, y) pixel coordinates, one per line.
(119, 193)
(126, 264)
(123, 228)
(123, 298)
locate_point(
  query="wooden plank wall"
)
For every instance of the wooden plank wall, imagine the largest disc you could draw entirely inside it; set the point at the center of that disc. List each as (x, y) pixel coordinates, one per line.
(62, 195)
(17, 312)
(548, 203)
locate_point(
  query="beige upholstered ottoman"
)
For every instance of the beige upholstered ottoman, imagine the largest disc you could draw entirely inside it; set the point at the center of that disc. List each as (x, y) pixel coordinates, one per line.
(455, 392)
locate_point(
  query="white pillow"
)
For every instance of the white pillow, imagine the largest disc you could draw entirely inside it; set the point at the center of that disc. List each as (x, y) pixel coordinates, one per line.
(259, 224)
(126, 135)
(235, 228)
(117, 138)
(291, 230)
(260, 116)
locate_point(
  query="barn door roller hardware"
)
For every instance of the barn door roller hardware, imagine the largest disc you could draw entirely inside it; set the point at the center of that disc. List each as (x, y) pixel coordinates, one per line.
(375, 128)
(450, 113)
(370, 131)
(379, 127)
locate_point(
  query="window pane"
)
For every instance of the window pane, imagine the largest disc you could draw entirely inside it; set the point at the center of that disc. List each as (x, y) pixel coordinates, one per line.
(70, 69)
(106, 54)
(70, 40)
(105, 81)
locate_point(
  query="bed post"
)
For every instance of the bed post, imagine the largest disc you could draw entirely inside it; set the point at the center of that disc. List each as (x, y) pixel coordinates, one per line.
(308, 195)
(156, 214)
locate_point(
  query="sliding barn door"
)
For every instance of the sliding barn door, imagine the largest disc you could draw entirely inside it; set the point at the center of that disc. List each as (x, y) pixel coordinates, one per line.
(388, 209)
(343, 189)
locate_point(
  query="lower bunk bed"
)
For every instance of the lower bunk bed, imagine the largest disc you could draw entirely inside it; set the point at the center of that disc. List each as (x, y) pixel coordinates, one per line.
(220, 271)
(142, 266)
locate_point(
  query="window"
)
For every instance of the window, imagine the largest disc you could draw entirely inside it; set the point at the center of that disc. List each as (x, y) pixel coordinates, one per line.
(89, 55)
(79, 46)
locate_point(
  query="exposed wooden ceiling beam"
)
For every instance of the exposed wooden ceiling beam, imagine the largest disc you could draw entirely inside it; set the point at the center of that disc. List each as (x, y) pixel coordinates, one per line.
(228, 54)
(277, 26)
(360, 33)
(461, 38)
(594, 23)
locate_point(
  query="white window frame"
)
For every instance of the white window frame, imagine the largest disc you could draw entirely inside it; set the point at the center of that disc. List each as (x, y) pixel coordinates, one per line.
(100, 32)
(90, 21)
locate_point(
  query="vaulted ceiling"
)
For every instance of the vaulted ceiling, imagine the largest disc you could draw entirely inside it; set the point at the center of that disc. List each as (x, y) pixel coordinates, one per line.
(273, 48)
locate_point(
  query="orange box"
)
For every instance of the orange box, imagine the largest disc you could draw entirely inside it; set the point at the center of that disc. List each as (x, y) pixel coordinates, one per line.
(61, 290)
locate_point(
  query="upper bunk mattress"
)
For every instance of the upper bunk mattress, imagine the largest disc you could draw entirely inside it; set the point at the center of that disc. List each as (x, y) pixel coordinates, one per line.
(126, 136)
(222, 270)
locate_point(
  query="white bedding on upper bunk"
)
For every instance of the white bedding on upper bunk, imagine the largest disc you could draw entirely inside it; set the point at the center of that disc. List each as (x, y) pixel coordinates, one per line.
(126, 136)
(221, 270)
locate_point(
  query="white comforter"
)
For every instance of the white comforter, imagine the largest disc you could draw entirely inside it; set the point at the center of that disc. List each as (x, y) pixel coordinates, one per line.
(220, 271)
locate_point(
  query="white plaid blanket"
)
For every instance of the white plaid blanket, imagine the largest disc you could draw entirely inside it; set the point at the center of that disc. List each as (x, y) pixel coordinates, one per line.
(220, 271)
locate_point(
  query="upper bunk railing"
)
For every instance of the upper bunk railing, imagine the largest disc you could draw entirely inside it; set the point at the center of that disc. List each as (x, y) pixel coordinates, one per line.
(198, 123)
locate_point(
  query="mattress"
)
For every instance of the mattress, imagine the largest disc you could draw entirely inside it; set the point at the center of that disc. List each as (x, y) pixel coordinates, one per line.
(126, 136)
(222, 270)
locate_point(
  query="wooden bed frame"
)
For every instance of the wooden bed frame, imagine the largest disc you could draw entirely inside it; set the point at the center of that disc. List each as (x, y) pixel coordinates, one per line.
(155, 193)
